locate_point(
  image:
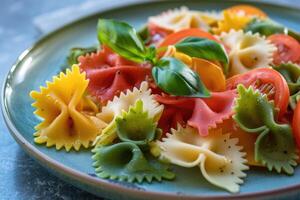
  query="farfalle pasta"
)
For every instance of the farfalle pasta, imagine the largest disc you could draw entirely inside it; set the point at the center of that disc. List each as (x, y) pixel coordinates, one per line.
(114, 108)
(231, 21)
(60, 104)
(136, 126)
(110, 162)
(194, 111)
(182, 18)
(218, 156)
(217, 90)
(247, 51)
(109, 74)
(281, 153)
(135, 130)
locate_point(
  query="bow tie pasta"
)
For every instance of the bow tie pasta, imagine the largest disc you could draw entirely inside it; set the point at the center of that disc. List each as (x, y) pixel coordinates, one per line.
(274, 146)
(129, 159)
(191, 88)
(182, 18)
(115, 107)
(109, 74)
(231, 20)
(126, 162)
(247, 51)
(62, 106)
(218, 156)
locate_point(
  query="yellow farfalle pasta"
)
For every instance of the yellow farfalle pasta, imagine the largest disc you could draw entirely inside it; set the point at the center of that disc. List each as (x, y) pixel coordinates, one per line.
(122, 103)
(182, 18)
(219, 157)
(231, 20)
(247, 51)
(68, 116)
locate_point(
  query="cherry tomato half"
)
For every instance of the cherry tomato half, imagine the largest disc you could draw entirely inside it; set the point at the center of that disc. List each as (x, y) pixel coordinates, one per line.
(288, 48)
(268, 81)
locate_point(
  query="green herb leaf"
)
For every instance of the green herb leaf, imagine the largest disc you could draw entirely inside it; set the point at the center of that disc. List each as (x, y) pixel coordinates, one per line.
(122, 39)
(204, 48)
(269, 27)
(175, 78)
(144, 34)
(79, 51)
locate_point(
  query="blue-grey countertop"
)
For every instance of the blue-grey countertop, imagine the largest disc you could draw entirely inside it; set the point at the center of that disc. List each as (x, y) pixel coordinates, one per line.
(20, 176)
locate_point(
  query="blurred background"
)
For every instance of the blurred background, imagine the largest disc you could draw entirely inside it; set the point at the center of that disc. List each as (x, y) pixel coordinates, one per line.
(22, 22)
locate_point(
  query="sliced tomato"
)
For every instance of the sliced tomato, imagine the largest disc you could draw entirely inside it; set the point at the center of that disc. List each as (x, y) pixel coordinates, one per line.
(268, 81)
(191, 32)
(296, 124)
(288, 48)
(180, 35)
(248, 10)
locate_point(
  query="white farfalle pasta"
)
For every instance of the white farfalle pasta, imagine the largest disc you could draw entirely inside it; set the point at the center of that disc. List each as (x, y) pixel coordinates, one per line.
(183, 18)
(220, 159)
(247, 51)
(122, 103)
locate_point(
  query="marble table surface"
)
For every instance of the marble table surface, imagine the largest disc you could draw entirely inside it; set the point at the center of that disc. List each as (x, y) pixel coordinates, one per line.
(20, 176)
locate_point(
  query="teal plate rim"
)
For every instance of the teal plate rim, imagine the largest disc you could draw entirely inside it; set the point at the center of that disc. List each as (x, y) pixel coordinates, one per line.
(53, 165)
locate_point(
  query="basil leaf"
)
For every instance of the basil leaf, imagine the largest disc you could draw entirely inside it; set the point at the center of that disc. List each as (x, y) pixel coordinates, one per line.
(269, 27)
(204, 48)
(174, 77)
(79, 51)
(144, 34)
(122, 39)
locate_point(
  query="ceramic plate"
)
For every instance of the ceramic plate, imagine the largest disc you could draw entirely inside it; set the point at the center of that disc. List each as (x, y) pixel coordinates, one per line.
(45, 59)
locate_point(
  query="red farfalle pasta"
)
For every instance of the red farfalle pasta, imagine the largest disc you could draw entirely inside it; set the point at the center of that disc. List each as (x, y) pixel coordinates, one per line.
(107, 83)
(103, 59)
(211, 111)
(176, 110)
(110, 74)
(200, 113)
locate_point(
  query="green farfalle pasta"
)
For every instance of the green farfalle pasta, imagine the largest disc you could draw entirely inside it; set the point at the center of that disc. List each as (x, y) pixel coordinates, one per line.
(124, 102)
(125, 161)
(136, 126)
(291, 73)
(274, 147)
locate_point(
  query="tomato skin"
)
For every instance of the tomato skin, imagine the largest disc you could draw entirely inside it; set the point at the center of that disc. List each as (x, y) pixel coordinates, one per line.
(176, 37)
(248, 10)
(288, 49)
(296, 124)
(265, 76)
(180, 35)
